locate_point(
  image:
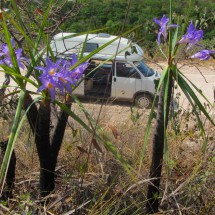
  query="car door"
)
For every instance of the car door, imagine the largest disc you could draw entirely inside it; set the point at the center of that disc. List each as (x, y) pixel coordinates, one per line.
(79, 90)
(126, 81)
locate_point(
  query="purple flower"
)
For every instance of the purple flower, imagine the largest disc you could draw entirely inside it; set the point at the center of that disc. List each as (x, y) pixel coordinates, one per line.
(51, 68)
(78, 71)
(192, 37)
(6, 58)
(203, 54)
(58, 76)
(65, 81)
(163, 28)
(50, 85)
(48, 77)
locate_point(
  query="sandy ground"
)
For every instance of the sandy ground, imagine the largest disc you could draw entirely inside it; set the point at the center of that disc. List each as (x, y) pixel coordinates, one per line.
(202, 76)
(204, 81)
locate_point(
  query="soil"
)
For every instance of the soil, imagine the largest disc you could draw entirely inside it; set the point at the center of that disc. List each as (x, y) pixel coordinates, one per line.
(202, 75)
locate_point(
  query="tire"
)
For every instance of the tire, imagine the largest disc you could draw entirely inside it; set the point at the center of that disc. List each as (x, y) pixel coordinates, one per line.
(143, 101)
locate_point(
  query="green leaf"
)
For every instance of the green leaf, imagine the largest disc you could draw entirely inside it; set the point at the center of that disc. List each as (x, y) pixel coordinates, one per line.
(11, 50)
(170, 32)
(98, 133)
(11, 72)
(87, 32)
(44, 22)
(18, 15)
(194, 101)
(197, 89)
(13, 135)
(174, 41)
(185, 87)
(17, 26)
(84, 46)
(105, 140)
(34, 57)
(86, 58)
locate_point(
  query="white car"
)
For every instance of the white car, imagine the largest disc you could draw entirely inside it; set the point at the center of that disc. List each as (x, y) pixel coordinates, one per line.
(119, 80)
(116, 70)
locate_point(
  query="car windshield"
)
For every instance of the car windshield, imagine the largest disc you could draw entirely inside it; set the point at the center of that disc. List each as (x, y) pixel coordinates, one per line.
(144, 69)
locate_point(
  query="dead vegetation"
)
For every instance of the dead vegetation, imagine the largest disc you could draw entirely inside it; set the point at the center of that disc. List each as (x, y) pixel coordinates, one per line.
(94, 182)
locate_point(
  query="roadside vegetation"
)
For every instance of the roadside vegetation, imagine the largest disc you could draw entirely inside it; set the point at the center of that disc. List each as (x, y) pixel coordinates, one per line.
(63, 156)
(105, 187)
(108, 15)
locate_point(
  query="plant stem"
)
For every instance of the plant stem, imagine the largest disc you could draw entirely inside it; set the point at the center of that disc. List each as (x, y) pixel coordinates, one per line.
(44, 149)
(152, 204)
(58, 134)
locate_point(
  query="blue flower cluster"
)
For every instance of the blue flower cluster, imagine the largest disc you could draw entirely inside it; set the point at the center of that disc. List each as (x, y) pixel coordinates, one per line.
(5, 58)
(59, 76)
(55, 75)
(191, 38)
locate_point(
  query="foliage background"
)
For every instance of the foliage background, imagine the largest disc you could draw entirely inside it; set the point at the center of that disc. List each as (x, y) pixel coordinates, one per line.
(96, 14)
(108, 15)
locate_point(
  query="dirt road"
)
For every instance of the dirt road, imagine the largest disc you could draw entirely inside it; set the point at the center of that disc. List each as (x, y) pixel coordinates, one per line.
(202, 76)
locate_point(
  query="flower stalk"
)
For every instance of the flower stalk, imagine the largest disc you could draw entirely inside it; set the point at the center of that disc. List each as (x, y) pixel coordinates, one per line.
(191, 38)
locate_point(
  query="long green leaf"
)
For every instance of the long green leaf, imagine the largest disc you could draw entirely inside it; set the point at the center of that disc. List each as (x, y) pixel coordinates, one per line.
(103, 62)
(86, 58)
(20, 29)
(20, 26)
(35, 57)
(186, 91)
(84, 46)
(185, 86)
(197, 89)
(14, 74)
(87, 32)
(200, 124)
(18, 14)
(45, 17)
(11, 50)
(107, 143)
(174, 41)
(9, 69)
(170, 32)
(12, 138)
(104, 139)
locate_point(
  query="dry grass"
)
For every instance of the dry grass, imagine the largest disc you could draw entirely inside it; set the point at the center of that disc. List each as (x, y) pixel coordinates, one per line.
(98, 184)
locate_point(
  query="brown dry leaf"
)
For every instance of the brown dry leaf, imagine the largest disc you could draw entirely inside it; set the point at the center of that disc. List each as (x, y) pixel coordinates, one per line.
(114, 131)
(96, 145)
(82, 150)
(39, 11)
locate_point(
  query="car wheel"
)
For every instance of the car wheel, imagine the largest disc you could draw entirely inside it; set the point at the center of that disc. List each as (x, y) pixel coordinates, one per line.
(143, 101)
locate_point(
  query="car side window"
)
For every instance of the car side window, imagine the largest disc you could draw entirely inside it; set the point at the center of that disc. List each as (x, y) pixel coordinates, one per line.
(126, 70)
(90, 47)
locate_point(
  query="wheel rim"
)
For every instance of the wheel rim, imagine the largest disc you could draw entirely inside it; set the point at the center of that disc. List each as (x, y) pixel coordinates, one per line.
(143, 102)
